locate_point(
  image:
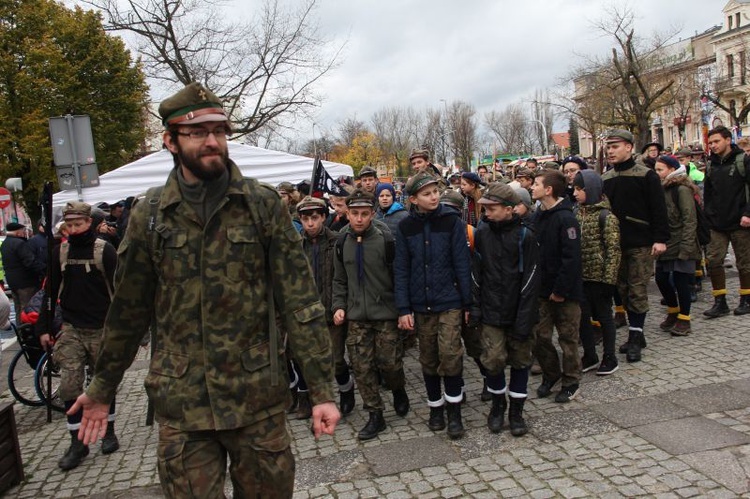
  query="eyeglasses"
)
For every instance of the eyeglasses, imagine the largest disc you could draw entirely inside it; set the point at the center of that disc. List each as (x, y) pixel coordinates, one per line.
(203, 133)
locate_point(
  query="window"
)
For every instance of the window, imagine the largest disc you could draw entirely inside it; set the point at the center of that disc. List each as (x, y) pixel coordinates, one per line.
(737, 19)
(730, 65)
(743, 67)
(729, 20)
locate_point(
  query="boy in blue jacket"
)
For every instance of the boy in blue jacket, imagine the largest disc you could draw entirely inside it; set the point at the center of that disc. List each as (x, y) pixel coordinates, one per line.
(433, 295)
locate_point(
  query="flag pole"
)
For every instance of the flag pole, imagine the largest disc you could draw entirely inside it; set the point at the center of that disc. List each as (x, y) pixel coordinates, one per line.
(315, 161)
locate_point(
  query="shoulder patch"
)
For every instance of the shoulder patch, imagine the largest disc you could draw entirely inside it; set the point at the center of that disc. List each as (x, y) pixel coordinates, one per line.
(572, 233)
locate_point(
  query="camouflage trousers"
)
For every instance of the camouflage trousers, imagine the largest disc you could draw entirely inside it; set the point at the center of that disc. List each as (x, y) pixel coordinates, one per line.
(636, 269)
(74, 349)
(717, 250)
(441, 352)
(499, 350)
(566, 318)
(376, 346)
(194, 463)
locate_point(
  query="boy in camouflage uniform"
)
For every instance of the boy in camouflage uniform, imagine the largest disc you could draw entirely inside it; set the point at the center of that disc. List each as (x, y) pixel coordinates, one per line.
(363, 295)
(433, 295)
(212, 258)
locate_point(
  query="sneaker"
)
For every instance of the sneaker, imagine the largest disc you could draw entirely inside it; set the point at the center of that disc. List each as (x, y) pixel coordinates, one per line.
(589, 363)
(546, 387)
(608, 365)
(567, 394)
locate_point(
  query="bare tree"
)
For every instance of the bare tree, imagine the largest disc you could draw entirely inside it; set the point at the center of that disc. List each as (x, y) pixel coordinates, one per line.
(510, 128)
(396, 131)
(462, 122)
(349, 129)
(263, 71)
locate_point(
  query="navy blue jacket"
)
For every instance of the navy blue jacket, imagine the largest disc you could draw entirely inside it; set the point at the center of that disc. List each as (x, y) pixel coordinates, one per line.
(432, 268)
(559, 237)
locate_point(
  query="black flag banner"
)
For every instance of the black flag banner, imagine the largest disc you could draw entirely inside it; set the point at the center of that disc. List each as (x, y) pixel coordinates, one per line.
(323, 182)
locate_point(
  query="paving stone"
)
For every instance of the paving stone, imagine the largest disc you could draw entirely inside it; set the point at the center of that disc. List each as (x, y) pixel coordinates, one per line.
(569, 425)
(640, 411)
(716, 397)
(412, 454)
(683, 436)
(728, 467)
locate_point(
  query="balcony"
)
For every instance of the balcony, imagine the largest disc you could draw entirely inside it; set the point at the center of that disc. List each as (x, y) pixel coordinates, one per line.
(727, 83)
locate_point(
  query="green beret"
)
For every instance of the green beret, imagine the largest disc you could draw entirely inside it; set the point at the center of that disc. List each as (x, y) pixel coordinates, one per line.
(191, 105)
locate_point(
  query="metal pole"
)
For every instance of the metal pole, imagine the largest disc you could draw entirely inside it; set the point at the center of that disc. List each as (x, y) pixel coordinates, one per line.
(546, 137)
(76, 166)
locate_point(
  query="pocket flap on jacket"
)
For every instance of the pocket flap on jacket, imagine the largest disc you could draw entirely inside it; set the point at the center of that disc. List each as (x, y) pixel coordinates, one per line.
(310, 312)
(256, 357)
(171, 364)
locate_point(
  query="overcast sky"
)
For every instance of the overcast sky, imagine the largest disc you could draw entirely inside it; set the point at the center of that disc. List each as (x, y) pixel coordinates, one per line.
(490, 53)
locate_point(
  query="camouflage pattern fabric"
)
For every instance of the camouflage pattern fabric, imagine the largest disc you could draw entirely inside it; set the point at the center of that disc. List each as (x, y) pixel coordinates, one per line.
(636, 269)
(194, 464)
(600, 253)
(440, 349)
(717, 249)
(500, 349)
(205, 288)
(566, 317)
(74, 349)
(338, 348)
(375, 346)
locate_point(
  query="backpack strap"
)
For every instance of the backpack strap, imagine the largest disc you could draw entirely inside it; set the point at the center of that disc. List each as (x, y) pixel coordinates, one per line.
(97, 261)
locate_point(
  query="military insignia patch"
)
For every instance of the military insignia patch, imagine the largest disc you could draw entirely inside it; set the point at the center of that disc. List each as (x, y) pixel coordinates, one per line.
(572, 233)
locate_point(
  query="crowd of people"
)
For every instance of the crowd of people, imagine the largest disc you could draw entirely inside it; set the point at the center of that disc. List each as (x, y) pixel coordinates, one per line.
(258, 298)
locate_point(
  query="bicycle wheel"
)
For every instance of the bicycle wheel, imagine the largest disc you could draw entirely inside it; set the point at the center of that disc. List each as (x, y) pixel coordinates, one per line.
(40, 382)
(21, 381)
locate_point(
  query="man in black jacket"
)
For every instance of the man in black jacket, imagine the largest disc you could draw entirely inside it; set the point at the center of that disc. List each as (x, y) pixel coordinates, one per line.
(23, 271)
(727, 208)
(637, 199)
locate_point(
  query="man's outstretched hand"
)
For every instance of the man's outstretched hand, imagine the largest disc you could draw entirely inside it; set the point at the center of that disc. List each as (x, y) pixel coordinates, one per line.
(94, 420)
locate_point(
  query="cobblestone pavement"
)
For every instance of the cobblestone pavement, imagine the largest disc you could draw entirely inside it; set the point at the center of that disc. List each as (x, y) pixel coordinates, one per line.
(676, 424)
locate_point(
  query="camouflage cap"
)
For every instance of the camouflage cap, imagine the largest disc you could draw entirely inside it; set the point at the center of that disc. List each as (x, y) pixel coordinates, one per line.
(286, 187)
(499, 193)
(419, 153)
(76, 209)
(360, 199)
(191, 105)
(368, 171)
(453, 198)
(310, 203)
(619, 135)
(418, 181)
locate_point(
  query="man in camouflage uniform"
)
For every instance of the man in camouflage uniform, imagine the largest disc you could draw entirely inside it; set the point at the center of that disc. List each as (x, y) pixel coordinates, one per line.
(363, 295)
(201, 257)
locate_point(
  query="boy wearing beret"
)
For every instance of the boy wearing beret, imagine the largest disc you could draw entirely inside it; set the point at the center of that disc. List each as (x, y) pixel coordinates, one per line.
(433, 295)
(506, 286)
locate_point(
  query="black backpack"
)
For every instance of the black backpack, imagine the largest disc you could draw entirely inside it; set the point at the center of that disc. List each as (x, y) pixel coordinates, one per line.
(703, 231)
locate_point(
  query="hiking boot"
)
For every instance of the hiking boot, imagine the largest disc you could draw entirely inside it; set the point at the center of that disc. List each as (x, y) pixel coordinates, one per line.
(455, 425)
(109, 442)
(567, 393)
(401, 402)
(624, 346)
(304, 407)
(374, 425)
(497, 413)
(437, 419)
(515, 417)
(744, 306)
(668, 323)
(74, 455)
(486, 395)
(634, 347)
(681, 328)
(535, 367)
(719, 309)
(620, 320)
(589, 363)
(346, 401)
(546, 387)
(608, 366)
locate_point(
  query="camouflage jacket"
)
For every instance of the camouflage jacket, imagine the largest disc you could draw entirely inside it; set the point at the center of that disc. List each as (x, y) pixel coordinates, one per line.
(600, 253)
(205, 288)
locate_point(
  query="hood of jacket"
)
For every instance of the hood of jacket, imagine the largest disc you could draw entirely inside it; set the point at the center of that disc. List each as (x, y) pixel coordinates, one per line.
(592, 186)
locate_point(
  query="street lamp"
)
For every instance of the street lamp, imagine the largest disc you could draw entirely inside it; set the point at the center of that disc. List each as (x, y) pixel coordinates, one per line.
(546, 137)
(445, 104)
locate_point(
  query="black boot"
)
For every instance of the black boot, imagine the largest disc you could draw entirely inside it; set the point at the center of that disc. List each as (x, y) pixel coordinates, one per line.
(110, 443)
(455, 426)
(744, 306)
(401, 402)
(624, 346)
(293, 405)
(719, 309)
(346, 401)
(374, 425)
(437, 419)
(515, 417)
(75, 453)
(497, 413)
(634, 346)
(486, 395)
(304, 407)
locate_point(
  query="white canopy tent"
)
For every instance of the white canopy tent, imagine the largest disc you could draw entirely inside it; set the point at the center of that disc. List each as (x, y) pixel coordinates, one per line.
(268, 166)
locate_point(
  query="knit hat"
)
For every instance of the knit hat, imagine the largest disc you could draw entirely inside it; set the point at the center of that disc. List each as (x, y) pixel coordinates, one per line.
(670, 161)
(385, 186)
(421, 179)
(577, 160)
(523, 195)
(499, 193)
(14, 226)
(192, 105)
(76, 209)
(473, 177)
